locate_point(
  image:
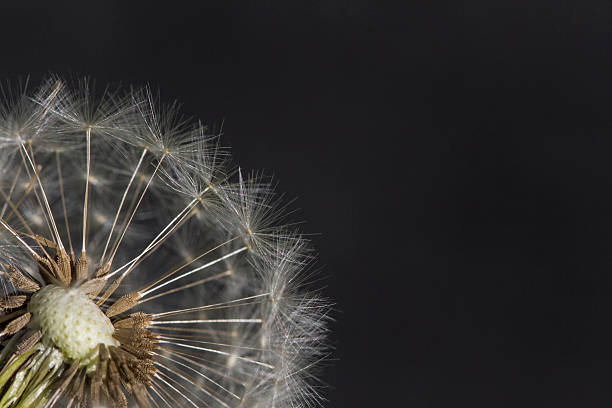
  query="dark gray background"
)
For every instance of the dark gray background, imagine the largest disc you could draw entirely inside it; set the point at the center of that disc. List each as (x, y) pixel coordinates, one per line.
(455, 158)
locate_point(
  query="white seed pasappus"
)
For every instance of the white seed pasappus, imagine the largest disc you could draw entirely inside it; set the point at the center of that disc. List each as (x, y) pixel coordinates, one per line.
(139, 266)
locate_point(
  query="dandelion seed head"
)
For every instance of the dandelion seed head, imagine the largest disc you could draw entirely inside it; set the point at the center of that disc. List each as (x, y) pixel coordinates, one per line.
(139, 266)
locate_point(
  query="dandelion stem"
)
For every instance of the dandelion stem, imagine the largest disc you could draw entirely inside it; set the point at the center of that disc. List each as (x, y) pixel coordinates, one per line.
(159, 239)
(118, 243)
(40, 204)
(178, 373)
(195, 270)
(212, 343)
(21, 241)
(215, 332)
(186, 264)
(196, 283)
(27, 191)
(48, 208)
(203, 376)
(110, 234)
(86, 199)
(15, 211)
(199, 308)
(180, 216)
(223, 353)
(173, 388)
(208, 321)
(194, 358)
(11, 191)
(154, 389)
(61, 186)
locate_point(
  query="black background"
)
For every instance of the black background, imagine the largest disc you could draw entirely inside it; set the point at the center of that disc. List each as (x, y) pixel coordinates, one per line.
(455, 159)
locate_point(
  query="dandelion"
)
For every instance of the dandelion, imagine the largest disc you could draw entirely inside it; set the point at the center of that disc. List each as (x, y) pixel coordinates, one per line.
(139, 267)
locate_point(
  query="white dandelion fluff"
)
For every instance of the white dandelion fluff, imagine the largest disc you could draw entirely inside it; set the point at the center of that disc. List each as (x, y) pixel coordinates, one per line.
(138, 267)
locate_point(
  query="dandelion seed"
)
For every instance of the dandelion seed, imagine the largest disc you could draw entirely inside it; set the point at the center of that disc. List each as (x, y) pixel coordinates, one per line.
(184, 290)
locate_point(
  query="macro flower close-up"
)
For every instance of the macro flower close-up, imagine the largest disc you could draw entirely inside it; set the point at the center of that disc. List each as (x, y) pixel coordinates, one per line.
(140, 266)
